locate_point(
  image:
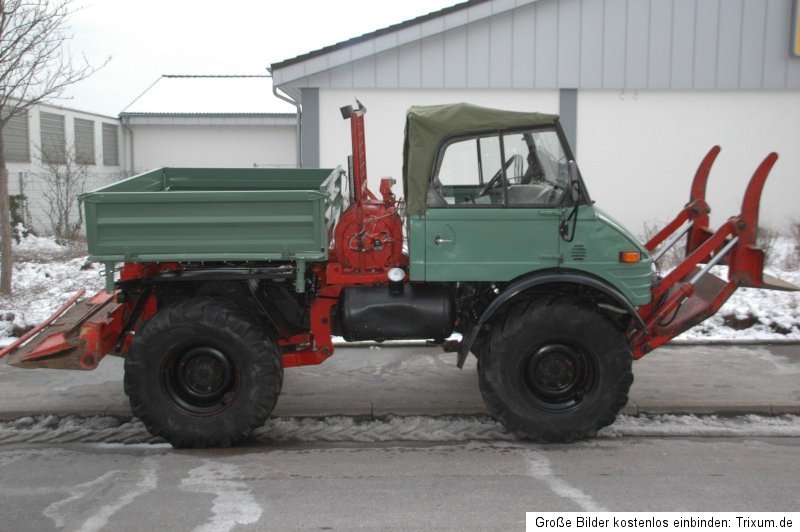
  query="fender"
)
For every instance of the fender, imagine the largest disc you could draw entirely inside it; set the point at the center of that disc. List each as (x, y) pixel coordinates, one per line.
(521, 285)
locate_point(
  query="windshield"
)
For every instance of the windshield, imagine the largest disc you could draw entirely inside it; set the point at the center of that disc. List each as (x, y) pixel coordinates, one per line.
(539, 158)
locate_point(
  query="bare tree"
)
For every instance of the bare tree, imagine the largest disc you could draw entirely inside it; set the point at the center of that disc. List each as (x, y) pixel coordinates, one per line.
(64, 179)
(34, 67)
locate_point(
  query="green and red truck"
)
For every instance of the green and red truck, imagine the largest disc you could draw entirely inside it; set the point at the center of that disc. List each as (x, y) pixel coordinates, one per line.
(219, 279)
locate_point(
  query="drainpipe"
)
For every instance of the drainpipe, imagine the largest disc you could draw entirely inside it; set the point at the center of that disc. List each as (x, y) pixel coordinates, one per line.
(126, 120)
(288, 99)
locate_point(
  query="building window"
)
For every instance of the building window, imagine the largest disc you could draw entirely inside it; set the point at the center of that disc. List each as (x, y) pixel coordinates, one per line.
(84, 141)
(54, 147)
(16, 138)
(110, 145)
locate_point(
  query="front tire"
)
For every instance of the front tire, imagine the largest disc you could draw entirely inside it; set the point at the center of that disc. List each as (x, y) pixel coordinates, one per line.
(202, 374)
(557, 370)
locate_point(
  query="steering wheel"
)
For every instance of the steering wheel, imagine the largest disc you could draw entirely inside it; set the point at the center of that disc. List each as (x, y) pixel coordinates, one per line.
(497, 178)
(493, 182)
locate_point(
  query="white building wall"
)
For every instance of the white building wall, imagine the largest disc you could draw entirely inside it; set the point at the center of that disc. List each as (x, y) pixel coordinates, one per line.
(639, 151)
(386, 119)
(213, 146)
(706, 71)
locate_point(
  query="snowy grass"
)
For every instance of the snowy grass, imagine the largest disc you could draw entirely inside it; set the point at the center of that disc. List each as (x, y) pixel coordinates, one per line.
(46, 274)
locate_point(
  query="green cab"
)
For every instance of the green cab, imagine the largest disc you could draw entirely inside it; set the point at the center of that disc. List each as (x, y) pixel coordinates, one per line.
(492, 197)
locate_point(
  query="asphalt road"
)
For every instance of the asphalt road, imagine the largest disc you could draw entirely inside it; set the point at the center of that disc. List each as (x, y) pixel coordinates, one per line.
(386, 486)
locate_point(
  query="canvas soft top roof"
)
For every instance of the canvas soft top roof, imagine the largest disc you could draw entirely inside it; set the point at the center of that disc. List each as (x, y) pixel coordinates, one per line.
(428, 126)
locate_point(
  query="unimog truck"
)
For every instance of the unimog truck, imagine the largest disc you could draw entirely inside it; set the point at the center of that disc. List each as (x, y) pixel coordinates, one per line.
(217, 280)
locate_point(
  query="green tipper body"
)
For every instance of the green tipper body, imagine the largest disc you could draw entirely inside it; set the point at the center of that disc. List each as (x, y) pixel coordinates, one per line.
(214, 214)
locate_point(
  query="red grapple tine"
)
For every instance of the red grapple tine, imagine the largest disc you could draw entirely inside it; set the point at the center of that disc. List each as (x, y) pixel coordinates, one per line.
(696, 210)
(752, 199)
(701, 176)
(697, 197)
(747, 259)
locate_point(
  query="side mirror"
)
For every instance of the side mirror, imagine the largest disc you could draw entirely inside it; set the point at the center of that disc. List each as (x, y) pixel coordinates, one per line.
(574, 185)
(574, 182)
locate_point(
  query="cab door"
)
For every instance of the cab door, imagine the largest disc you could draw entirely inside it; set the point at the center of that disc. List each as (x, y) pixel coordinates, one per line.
(494, 208)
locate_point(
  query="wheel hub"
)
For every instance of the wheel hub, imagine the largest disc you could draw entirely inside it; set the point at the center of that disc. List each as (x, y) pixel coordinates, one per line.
(557, 374)
(205, 371)
(201, 378)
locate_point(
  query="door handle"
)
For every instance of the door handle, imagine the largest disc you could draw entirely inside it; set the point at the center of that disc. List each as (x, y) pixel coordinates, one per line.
(551, 213)
(439, 240)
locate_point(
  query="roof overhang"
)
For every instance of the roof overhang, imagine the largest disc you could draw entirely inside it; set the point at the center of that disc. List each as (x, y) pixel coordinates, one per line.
(208, 119)
(291, 75)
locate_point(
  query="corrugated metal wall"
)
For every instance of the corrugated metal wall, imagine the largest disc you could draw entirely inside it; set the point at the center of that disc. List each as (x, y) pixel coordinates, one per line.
(588, 44)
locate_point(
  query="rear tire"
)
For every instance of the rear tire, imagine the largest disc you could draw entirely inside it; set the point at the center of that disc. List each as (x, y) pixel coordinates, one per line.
(557, 370)
(202, 374)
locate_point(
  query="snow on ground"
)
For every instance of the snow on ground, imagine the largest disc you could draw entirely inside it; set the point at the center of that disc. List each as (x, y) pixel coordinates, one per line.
(754, 314)
(47, 274)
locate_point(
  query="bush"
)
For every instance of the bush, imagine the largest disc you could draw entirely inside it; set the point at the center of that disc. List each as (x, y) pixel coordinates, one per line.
(766, 237)
(671, 258)
(20, 217)
(794, 233)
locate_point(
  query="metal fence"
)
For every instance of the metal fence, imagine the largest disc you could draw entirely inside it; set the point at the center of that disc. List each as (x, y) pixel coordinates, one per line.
(48, 204)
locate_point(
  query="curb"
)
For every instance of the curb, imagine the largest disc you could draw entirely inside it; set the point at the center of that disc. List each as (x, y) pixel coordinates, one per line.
(124, 414)
(672, 343)
(732, 342)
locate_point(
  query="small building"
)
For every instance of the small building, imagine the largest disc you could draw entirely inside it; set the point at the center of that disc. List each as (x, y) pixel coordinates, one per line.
(210, 121)
(644, 90)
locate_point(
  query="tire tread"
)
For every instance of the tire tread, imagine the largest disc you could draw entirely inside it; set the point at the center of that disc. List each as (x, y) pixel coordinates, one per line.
(230, 321)
(521, 324)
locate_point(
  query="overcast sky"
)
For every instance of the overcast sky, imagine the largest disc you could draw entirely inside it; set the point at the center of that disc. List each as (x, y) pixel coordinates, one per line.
(148, 38)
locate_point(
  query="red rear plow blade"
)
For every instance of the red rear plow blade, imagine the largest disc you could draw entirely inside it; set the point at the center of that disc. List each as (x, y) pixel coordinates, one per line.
(77, 336)
(691, 293)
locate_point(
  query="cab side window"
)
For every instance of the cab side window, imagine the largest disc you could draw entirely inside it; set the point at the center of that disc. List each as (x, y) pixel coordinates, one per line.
(460, 177)
(526, 168)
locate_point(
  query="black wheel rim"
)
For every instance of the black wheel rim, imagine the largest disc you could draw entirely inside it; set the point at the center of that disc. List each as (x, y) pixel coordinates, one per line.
(559, 377)
(200, 379)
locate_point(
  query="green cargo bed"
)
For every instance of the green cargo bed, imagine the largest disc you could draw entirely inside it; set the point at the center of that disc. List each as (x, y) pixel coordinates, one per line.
(214, 214)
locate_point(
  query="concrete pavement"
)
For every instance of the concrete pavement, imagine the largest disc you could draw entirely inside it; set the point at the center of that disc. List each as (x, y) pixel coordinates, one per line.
(372, 381)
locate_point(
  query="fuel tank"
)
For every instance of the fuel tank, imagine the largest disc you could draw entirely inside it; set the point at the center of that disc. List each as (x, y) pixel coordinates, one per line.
(408, 311)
